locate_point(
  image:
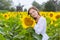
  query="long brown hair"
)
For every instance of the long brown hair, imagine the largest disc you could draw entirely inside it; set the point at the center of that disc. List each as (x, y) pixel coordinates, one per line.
(34, 9)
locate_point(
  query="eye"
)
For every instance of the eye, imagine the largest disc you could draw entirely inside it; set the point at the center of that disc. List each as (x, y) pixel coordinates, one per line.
(33, 11)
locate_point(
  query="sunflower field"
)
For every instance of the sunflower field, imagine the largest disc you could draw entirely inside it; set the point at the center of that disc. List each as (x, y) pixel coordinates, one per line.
(19, 26)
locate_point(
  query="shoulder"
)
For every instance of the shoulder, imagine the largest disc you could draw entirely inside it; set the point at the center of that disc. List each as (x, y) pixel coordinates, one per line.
(42, 18)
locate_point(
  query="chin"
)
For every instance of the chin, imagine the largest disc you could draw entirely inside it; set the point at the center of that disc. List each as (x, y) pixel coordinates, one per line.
(35, 17)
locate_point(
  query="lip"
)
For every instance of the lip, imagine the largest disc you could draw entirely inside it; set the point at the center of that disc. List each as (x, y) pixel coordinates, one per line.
(35, 16)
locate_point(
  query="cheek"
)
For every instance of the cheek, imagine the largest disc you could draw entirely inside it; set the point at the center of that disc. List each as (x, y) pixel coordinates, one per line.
(36, 13)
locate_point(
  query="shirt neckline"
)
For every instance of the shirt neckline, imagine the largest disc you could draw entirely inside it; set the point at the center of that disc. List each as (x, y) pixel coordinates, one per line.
(39, 19)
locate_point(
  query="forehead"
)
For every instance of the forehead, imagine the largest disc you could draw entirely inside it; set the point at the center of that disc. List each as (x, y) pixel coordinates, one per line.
(31, 10)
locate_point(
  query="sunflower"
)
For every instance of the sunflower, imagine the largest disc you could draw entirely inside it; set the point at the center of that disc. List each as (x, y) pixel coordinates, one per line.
(6, 16)
(27, 22)
(22, 13)
(57, 15)
(43, 13)
(52, 15)
(12, 14)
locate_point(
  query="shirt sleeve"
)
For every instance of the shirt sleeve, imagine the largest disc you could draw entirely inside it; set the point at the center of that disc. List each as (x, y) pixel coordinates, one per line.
(40, 26)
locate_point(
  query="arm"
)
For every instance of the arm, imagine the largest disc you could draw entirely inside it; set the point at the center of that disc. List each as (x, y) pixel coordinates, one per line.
(40, 26)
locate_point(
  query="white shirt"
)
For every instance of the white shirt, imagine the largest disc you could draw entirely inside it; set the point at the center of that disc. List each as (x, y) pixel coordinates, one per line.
(40, 28)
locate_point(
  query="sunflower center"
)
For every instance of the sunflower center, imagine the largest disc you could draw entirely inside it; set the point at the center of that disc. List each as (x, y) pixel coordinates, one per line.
(28, 22)
(58, 16)
(51, 15)
(5, 15)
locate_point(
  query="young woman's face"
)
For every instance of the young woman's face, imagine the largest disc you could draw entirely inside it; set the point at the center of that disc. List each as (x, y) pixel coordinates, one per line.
(33, 13)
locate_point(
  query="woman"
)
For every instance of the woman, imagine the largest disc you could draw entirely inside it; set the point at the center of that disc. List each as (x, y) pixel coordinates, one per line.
(40, 27)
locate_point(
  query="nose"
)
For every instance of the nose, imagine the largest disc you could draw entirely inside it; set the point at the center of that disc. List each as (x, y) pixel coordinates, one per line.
(33, 14)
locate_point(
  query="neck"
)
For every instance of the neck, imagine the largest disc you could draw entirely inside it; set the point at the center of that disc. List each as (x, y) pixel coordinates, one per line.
(37, 18)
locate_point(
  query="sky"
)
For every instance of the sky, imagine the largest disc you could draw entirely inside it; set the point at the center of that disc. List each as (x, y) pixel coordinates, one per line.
(27, 3)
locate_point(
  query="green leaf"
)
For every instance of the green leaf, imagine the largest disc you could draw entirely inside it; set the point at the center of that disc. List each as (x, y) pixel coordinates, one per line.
(2, 37)
(37, 37)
